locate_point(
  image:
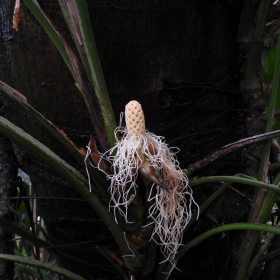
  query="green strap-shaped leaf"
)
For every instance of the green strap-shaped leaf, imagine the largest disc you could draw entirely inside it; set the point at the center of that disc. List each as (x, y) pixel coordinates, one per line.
(87, 41)
(164, 271)
(96, 69)
(44, 265)
(54, 34)
(13, 96)
(234, 179)
(75, 179)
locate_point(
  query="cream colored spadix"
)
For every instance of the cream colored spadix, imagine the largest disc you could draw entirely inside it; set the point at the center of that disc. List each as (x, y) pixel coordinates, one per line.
(134, 118)
(138, 149)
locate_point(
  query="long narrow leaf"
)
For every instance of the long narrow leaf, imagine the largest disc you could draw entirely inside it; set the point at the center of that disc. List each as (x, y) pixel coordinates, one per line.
(77, 71)
(69, 12)
(163, 275)
(20, 101)
(51, 30)
(44, 265)
(245, 181)
(240, 179)
(96, 69)
(258, 213)
(24, 234)
(211, 199)
(32, 272)
(70, 174)
(46, 155)
(230, 227)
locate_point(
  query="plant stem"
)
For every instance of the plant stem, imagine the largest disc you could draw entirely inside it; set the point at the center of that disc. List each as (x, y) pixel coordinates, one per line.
(232, 147)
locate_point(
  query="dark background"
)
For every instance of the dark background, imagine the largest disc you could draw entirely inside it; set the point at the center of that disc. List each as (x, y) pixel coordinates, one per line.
(179, 59)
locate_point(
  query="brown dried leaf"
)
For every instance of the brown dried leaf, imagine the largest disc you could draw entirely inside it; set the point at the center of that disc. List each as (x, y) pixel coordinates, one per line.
(16, 15)
(74, 17)
(114, 257)
(139, 241)
(18, 94)
(96, 159)
(70, 141)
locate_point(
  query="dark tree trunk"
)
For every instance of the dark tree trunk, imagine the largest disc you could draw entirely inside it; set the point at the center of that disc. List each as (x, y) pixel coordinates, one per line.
(179, 60)
(8, 188)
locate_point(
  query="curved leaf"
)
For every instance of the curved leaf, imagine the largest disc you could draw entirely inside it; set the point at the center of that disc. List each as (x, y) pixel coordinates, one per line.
(165, 271)
(44, 265)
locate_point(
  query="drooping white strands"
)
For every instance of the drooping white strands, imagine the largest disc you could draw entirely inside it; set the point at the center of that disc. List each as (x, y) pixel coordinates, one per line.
(125, 164)
(131, 152)
(85, 161)
(138, 149)
(128, 159)
(171, 211)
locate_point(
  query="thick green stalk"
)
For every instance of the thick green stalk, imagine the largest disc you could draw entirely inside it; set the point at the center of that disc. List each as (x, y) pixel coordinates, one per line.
(96, 69)
(43, 265)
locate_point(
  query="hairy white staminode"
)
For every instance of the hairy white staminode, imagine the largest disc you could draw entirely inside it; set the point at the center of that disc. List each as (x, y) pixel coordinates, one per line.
(131, 151)
(171, 210)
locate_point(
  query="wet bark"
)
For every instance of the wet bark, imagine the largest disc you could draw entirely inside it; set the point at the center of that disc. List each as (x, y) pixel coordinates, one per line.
(179, 60)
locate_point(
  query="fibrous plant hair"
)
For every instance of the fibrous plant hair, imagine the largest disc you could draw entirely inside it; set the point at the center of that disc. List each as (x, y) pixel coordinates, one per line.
(170, 208)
